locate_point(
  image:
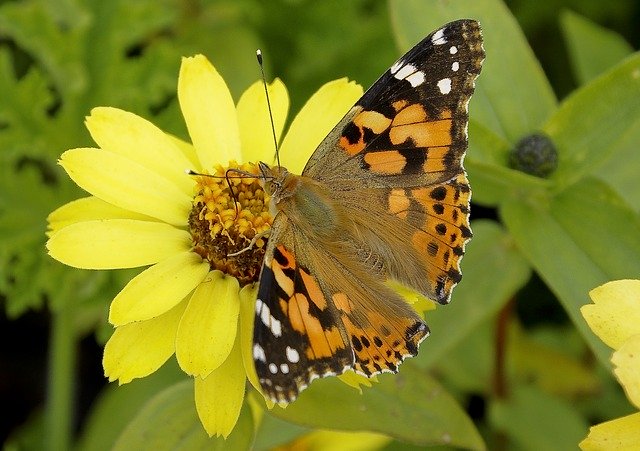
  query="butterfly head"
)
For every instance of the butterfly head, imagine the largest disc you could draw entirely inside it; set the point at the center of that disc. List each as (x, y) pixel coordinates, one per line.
(277, 182)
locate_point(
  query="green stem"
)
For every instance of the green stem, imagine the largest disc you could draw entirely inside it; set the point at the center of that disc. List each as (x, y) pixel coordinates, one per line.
(62, 366)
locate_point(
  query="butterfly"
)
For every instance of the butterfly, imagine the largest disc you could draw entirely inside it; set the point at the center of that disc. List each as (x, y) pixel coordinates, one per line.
(383, 198)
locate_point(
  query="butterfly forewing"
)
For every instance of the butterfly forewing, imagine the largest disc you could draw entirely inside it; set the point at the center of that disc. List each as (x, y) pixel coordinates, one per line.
(383, 197)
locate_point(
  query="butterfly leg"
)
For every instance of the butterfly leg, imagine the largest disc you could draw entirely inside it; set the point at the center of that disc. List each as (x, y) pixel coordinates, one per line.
(251, 244)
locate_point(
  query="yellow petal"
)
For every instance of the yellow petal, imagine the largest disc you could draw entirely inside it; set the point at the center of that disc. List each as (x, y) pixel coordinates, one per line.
(87, 209)
(138, 349)
(116, 243)
(419, 303)
(620, 434)
(316, 119)
(188, 151)
(209, 112)
(615, 314)
(139, 140)
(158, 288)
(256, 135)
(209, 325)
(127, 184)
(627, 362)
(324, 440)
(219, 397)
(357, 380)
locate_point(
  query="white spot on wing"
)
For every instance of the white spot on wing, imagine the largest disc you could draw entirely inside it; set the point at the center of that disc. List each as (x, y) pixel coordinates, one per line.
(453, 49)
(276, 327)
(292, 355)
(265, 313)
(416, 79)
(258, 353)
(444, 85)
(455, 66)
(273, 368)
(265, 316)
(284, 368)
(404, 72)
(438, 37)
(396, 66)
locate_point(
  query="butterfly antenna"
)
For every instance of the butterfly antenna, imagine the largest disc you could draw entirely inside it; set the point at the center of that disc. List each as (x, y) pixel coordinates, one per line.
(233, 193)
(266, 92)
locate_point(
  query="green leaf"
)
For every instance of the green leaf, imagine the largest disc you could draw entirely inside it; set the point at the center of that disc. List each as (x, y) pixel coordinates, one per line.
(169, 421)
(598, 122)
(581, 239)
(117, 405)
(592, 48)
(513, 96)
(410, 406)
(493, 270)
(551, 367)
(535, 420)
(273, 432)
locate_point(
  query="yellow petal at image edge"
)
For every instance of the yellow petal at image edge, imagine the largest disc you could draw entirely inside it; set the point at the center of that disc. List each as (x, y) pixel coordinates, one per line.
(219, 397)
(256, 136)
(136, 138)
(209, 112)
(627, 362)
(127, 184)
(341, 440)
(158, 288)
(138, 349)
(208, 328)
(87, 209)
(621, 433)
(615, 314)
(116, 243)
(315, 120)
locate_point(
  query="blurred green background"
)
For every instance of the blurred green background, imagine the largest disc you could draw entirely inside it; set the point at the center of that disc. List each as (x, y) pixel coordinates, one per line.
(522, 354)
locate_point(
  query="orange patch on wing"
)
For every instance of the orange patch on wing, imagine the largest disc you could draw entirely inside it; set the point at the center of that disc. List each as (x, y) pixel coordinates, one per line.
(435, 159)
(385, 162)
(376, 122)
(399, 104)
(314, 290)
(410, 115)
(282, 279)
(351, 149)
(372, 120)
(296, 314)
(423, 134)
(323, 343)
(399, 203)
(334, 339)
(342, 302)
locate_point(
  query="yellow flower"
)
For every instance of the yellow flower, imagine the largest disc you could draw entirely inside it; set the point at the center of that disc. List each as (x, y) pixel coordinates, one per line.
(615, 318)
(144, 210)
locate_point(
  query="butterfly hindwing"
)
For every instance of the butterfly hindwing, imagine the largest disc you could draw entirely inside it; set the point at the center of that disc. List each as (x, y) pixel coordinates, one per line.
(306, 328)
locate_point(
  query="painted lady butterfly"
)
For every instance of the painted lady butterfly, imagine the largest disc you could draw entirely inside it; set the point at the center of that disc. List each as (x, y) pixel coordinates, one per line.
(384, 197)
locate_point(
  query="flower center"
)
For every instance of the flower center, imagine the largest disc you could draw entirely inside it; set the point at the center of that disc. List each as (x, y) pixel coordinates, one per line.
(227, 214)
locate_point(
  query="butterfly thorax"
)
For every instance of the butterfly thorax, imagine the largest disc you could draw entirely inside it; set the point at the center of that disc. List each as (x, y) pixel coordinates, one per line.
(305, 202)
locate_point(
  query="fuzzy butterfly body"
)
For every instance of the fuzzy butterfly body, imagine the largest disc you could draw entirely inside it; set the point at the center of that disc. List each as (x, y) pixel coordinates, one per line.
(384, 197)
